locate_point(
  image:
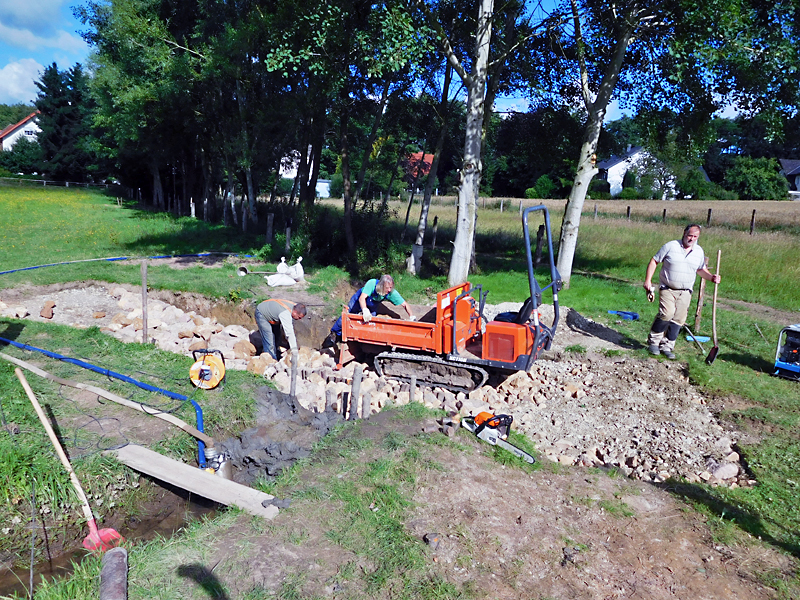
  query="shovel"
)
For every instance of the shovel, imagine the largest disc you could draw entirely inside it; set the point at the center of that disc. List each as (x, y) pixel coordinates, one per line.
(712, 354)
(103, 539)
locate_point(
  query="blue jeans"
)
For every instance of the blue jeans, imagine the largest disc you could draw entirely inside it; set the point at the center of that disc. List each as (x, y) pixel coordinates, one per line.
(270, 334)
(354, 308)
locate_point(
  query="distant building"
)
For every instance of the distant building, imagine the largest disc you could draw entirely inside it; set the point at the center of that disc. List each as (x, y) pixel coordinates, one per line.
(323, 188)
(613, 169)
(418, 165)
(27, 128)
(791, 170)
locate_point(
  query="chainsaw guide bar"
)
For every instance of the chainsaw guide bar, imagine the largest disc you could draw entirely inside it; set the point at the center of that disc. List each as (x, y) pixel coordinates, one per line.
(494, 430)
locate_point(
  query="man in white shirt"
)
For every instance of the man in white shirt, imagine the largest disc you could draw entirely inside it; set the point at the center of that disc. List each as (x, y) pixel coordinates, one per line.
(682, 260)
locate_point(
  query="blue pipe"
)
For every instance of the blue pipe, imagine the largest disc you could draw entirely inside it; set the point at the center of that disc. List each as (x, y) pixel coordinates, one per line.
(145, 386)
(115, 258)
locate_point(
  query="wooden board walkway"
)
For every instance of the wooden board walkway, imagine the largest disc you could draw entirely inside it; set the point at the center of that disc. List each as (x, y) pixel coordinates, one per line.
(195, 480)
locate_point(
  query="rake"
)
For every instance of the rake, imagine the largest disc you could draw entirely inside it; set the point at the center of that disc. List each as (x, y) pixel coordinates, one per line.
(102, 539)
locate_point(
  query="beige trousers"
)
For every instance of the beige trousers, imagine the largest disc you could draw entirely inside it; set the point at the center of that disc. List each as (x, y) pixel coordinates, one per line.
(673, 307)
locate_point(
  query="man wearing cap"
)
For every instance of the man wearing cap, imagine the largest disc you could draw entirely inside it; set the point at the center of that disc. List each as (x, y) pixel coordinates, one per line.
(275, 317)
(681, 261)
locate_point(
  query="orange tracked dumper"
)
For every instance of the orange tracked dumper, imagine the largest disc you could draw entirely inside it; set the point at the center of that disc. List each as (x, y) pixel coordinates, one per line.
(453, 345)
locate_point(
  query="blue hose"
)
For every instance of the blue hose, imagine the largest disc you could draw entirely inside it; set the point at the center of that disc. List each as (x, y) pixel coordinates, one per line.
(145, 386)
(115, 258)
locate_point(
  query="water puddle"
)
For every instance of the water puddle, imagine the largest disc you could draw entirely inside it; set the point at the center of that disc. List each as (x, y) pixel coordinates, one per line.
(170, 510)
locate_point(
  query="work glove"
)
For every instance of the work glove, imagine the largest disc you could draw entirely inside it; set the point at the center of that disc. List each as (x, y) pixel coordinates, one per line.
(367, 315)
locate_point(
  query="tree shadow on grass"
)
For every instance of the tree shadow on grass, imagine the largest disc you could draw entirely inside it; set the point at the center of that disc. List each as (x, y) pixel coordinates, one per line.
(751, 361)
(205, 579)
(747, 520)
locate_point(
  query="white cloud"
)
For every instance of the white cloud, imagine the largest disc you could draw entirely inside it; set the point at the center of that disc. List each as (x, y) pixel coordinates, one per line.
(42, 17)
(27, 40)
(17, 81)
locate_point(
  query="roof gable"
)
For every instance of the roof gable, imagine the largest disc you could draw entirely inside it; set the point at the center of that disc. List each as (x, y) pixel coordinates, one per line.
(615, 160)
(790, 166)
(12, 128)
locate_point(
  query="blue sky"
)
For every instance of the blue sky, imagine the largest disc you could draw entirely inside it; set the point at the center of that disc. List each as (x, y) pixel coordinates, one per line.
(33, 35)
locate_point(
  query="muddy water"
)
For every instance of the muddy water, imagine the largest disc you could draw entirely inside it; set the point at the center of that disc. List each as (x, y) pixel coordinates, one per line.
(169, 510)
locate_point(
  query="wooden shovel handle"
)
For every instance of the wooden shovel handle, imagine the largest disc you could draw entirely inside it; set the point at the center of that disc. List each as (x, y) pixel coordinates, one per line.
(714, 305)
(87, 511)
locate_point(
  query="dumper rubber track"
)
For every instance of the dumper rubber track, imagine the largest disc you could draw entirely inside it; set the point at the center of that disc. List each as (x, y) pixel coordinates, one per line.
(430, 370)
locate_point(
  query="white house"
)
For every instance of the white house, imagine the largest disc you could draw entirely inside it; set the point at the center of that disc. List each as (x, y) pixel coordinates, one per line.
(27, 128)
(613, 169)
(323, 188)
(791, 170)
(641, 163)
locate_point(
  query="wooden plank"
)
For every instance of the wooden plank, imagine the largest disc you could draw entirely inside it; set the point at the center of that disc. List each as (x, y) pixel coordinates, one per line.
(195, 480)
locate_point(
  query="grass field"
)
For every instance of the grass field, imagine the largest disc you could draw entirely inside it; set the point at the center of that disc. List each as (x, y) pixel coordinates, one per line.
(54, 225)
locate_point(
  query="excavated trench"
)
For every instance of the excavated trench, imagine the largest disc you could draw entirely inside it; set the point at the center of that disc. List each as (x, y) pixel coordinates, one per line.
(283, 433)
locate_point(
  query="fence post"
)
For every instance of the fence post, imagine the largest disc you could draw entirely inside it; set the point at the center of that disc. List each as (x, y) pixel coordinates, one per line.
(502, 200)
(144, 301)
(708, 220)
(520, 207)
(753, 222)
(412, 389)
(664, 216)
(366, 405)
(355, 390)
(595, 211)
(629, 213)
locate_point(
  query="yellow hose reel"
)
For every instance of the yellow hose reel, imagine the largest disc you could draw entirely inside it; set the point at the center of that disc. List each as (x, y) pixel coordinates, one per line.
(207, 372)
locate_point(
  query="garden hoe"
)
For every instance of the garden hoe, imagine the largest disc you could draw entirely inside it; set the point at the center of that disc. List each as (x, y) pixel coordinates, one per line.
(712, 354)
(242, 271)
(103, 539)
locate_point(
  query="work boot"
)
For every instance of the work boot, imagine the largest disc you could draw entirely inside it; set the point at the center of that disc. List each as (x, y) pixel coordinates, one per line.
(330, 341)
(669, 354)
(653, 349)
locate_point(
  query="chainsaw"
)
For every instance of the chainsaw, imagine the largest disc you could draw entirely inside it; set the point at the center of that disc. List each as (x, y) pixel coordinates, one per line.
(494, 430)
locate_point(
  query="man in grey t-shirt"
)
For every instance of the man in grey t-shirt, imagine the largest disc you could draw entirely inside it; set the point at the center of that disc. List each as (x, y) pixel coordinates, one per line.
(274, 317)
(681, 261)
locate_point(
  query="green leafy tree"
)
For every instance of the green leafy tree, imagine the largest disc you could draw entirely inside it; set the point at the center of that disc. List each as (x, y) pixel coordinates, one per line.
(65, 108)
(757, 179)
(25, 157)
(11, 114)
(655, 54)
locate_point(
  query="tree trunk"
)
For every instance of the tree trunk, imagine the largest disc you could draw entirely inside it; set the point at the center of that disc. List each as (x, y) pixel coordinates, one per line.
(308, 186)
(437, 154)
(158, 189)
(345, 162)
(471, 167)
(400, 152)
(413, 192)
(376, 123)
(251, 199)
(596, 111)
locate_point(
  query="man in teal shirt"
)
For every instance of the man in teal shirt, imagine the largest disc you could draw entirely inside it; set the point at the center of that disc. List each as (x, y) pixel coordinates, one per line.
(365, 300)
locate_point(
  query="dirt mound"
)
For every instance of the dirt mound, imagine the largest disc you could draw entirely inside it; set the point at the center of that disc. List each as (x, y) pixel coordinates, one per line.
(284, 433)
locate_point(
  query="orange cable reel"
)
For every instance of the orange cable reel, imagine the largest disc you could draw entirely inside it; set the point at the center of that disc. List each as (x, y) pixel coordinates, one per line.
(208, 371)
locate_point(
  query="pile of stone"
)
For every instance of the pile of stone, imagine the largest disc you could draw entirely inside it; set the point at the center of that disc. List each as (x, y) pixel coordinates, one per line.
(649, 423)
